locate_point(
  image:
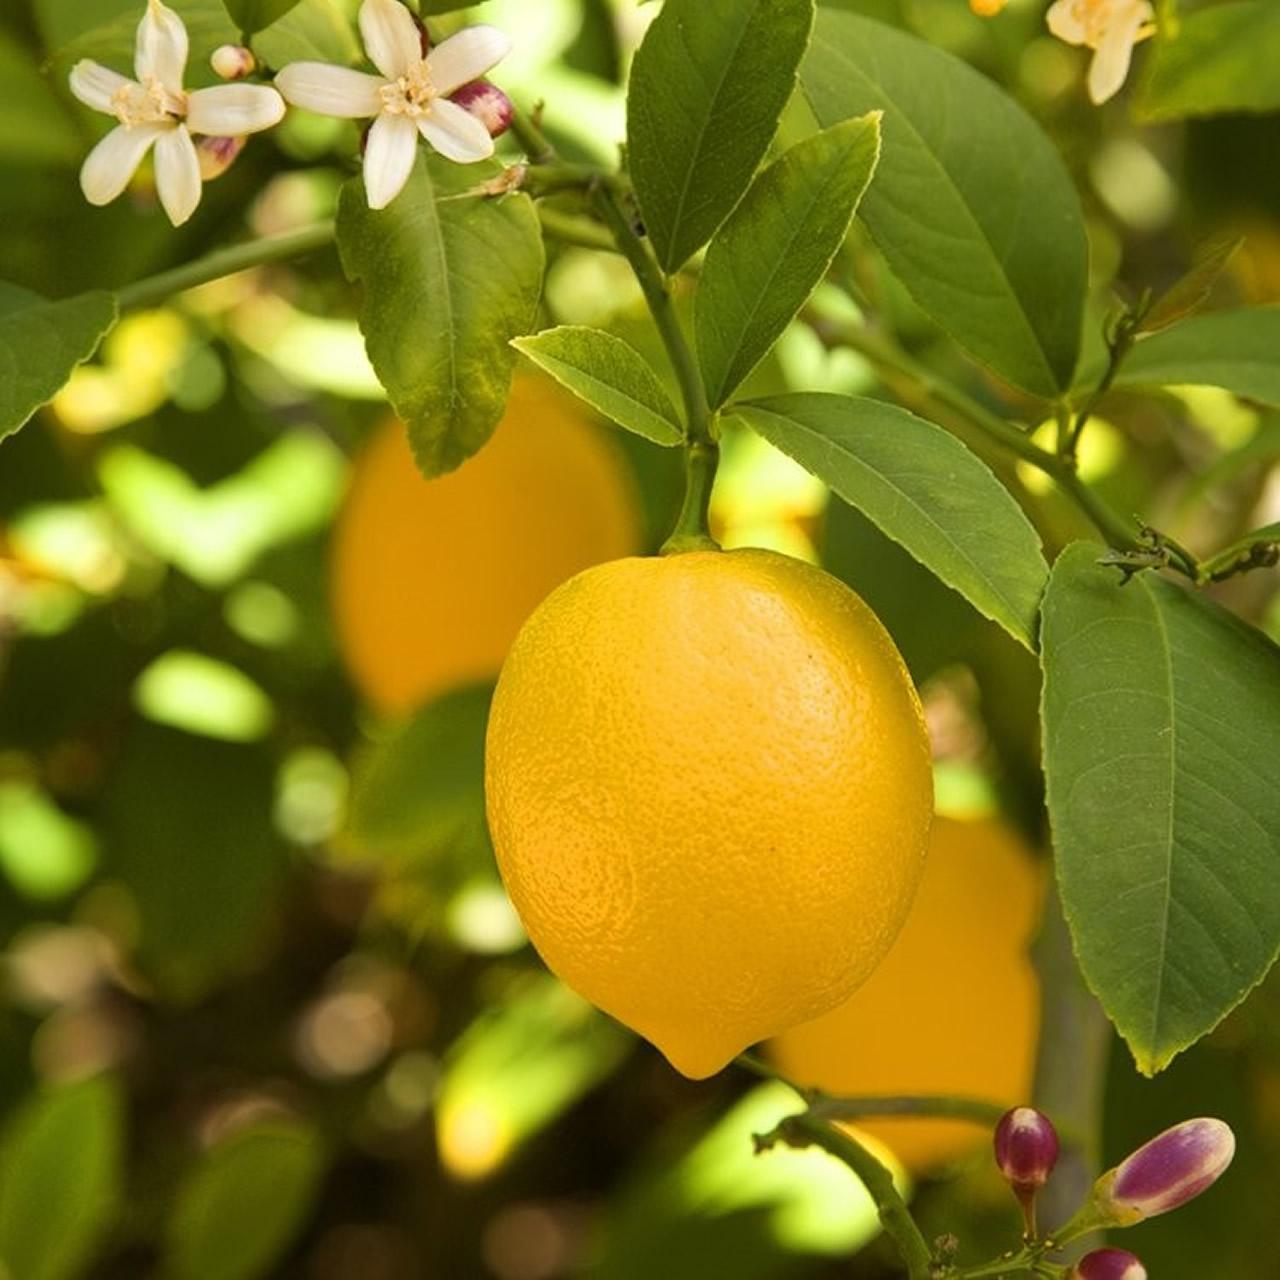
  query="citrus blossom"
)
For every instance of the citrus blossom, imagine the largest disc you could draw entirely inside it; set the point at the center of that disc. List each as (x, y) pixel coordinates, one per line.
(408, 99)
(1110, 28)
(155, 111)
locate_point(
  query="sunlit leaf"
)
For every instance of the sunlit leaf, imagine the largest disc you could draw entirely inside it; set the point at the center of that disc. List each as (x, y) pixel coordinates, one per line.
(312, 30)
(707, 87)
(195, 692)
(61, 1177)
(1161, 721)
(45, 853)
(450, 277)
(252, 15)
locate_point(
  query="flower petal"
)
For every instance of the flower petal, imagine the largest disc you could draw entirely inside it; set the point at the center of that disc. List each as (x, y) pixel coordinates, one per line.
(161, 49)
(177, 174)
(388, 159)
(391, 37)
(96, 85)
(1111, 62)
(466, 57)
(232, 110)
(455, 133)
(109, 167)
(332, 91)
(1066, 22)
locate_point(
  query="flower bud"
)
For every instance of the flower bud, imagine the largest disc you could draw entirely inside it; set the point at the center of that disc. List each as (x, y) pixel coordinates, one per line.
(217, 155)
(1169, 1170)
(987, 8)
(487, 103)
(1109, 1264)
(233, 62)
(1026, 1147)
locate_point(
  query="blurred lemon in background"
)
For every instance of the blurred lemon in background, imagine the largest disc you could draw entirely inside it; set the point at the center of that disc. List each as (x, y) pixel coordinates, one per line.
(709, 791)
(432, 579)
(954, 1008)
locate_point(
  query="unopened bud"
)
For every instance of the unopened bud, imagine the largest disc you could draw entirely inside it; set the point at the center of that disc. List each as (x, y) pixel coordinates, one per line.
(233, 62)
(1026, 1147)
(217, 155)
(1109, 1264)
(1169, 1170)
(487, 103)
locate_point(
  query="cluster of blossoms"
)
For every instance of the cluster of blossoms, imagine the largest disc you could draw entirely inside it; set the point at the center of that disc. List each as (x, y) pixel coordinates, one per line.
(433, 93)
(1174, 1167)
(1109, 27)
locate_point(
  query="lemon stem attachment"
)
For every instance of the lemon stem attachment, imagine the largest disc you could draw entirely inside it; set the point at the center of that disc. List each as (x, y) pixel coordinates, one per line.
(692, 531)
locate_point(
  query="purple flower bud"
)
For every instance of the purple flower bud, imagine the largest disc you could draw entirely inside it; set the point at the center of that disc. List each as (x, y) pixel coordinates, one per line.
(217, 155)
(232, 62)
(1026, 1147)
(487, 103)
(1171, 1169)
(1109, 1264)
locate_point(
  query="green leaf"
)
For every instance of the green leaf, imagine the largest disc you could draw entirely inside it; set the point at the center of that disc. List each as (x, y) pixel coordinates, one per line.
(1161, 718)
(449, 279)
(776, 247)
(199, 854)
(971, 207)
(35, 127)
(707, 87)
(40, 346)
(1238, 350)
(1225, 58)
(252, 15)
(244, 1203)
(112, 42)
(923, 489)
(60, 1179)
(610, 376)
(312, 31)
(1190, 291)
(424, 782)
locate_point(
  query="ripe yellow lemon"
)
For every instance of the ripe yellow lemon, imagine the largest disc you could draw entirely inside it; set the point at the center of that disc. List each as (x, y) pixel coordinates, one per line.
(709, 790)
(954, 1009)
(432, 579)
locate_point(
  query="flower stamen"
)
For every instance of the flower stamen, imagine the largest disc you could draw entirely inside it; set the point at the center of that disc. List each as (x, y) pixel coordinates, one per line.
(411, 95)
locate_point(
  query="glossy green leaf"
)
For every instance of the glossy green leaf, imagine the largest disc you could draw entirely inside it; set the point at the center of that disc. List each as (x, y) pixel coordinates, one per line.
(923, 489)
(1225, 58)
(449, 279)
(776, 247)
(1161, 721)
(313, 30)
(707, 87)
(40, 346)
(198, 854)
(252, 15)
(243, 1204)
(61, 1177)
(112, 42)
(610, 376)
(1238, 350)
(972, 207)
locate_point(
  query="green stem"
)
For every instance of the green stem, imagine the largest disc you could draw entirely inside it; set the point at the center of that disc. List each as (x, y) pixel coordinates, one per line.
(658, 296)
(808, 1131)
(555, 178)
(1023, 1263)
(535, 143)
(224, 262)
(940, 1105)
(692, 530)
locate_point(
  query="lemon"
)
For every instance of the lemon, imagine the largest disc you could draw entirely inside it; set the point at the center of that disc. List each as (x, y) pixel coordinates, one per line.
(431, 579)
(709, 790)
(954, 1009)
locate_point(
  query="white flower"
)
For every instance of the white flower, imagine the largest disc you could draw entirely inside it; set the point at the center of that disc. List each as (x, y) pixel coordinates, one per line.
(409, 98)
(155, 110)
(1110, 28)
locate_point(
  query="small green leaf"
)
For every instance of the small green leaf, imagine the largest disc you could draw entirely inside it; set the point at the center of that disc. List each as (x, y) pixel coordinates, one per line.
(424, 782)
(449, 279)
(252, 15)
(40, 346)
(243, 1204)
(707, 87)
(972, 207)
(1161, 721)
(60, 1179)
(923, 489)
(314, 31)
(1225, 58)
(1189, 292)
(610, 376)
(776, 247)
(1238, 350)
